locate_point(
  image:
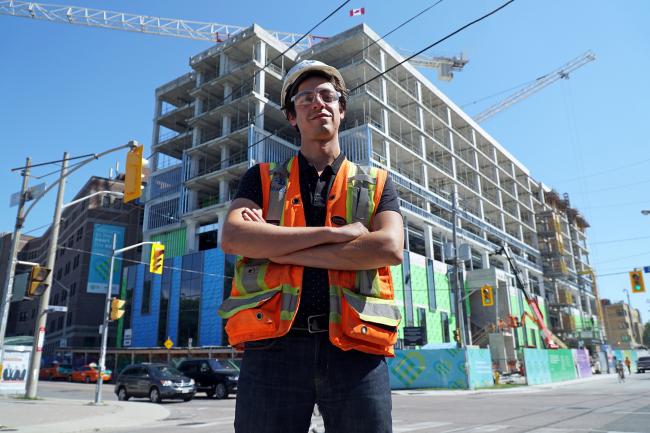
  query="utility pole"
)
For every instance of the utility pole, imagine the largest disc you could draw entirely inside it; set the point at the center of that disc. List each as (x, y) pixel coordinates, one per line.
(13, 253)
(629, 314)
(460, 311)
(41, 318)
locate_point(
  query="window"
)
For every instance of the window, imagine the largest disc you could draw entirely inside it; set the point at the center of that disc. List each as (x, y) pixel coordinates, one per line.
(444, 319)
(67, 268)
(431, 285)
(80, 233)
(33, 312)
(75, 263)
(408, 292)
(59, 323)
(70, 241)
(146, 296)
(56, 299)
(23, 316)
(191, 283)
(73, 288)
(68, 321)
(59, 274)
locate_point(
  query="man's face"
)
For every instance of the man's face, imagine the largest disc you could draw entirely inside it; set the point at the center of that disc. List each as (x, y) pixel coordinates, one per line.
(318, 120)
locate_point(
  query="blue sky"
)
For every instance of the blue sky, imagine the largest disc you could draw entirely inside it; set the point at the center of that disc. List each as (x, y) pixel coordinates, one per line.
(82, 90)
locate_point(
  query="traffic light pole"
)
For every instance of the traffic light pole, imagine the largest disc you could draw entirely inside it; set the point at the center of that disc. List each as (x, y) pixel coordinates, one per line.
(20, 218)
(13, 253)
(44, 301)
(107, 309)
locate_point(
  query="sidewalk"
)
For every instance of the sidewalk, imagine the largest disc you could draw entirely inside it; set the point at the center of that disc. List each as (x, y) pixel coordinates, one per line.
(54, 415)
(516, 389)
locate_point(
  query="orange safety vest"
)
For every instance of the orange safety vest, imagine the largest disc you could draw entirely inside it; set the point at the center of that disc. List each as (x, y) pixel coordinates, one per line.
(265, 296)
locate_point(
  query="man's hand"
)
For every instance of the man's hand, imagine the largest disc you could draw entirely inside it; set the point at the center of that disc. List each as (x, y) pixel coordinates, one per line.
(350, 232)
(253, 215)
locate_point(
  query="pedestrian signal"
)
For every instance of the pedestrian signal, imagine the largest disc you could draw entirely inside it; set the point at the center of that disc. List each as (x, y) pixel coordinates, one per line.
(487, 296)
(36, 284)
(117, 306)
(157, 258)
(636, 281)
(136, 172)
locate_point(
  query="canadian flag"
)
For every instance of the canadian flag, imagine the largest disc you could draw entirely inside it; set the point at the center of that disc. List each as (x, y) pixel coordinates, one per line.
(355, 12)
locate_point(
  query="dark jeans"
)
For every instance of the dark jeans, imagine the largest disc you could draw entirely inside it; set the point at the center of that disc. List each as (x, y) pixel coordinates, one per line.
(281, 380)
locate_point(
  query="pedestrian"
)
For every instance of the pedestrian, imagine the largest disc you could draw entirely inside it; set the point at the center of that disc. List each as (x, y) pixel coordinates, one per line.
(628, 364)
(312, 296)
(620, 370)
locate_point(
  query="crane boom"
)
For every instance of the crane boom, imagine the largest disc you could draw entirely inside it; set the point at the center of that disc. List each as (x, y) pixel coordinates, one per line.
(196, 30)
(537, 85)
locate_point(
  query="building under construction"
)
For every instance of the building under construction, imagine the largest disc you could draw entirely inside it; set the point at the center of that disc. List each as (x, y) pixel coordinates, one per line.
(223, 116)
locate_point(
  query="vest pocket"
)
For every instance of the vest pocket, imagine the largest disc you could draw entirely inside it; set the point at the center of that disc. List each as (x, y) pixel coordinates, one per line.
(369, 319)
(254, 320)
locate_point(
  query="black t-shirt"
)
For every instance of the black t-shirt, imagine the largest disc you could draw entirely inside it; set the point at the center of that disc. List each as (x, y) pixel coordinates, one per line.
(314, 190)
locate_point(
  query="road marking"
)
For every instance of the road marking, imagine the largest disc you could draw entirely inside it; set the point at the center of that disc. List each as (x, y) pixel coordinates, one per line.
(551, 430)
(488, 428)
(631, 413)
(419, 426)
(208, 424)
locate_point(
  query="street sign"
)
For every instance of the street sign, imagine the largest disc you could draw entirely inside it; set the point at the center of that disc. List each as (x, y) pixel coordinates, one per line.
(57, 309)
(168, 343)
(414, 336)
(126, 342)
(31, 194)
(646, 269)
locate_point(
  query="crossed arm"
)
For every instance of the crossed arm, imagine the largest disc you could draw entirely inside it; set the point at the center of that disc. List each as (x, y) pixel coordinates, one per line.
(350, 247)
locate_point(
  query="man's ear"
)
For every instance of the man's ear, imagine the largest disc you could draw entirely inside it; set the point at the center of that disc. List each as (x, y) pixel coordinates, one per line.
(342, 111)
(292, 119)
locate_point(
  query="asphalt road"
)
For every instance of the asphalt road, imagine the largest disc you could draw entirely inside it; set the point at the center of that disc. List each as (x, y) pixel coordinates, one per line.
(597, 405)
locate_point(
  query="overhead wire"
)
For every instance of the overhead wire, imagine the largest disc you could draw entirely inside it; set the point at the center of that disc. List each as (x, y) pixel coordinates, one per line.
(439, 41)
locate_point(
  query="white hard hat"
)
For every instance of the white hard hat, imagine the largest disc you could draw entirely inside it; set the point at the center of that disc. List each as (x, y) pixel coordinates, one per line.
(302, 67)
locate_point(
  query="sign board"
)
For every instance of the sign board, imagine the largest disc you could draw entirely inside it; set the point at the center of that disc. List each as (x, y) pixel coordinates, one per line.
(168, 343)
(20, 287)
(414, 336)
(100, 258)
(128, 334)
(13, 377)
(57, 309)
(31, 194)
(586, 334)
(646, 269)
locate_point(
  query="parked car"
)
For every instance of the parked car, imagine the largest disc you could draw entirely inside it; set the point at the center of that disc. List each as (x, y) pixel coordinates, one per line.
(212, 376)
(56, 371)
(643, 364)
(89, 373)
(156, 381)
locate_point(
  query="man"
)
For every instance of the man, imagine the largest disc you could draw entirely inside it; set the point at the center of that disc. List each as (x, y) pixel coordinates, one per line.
(311, 302)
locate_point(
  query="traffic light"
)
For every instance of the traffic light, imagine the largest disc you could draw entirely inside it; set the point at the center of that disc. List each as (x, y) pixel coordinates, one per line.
(136, 173)
(157, 258)
(36, 284)
(116, 308)
(487, 296)
(636, 280)
(457, 335)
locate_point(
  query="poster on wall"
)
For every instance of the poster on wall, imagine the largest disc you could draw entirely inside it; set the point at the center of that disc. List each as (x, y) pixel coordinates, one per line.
(100, 258)
(13, 377)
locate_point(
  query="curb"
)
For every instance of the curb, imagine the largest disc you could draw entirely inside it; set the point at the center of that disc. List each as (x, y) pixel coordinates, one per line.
(523, 389)
(114, 415)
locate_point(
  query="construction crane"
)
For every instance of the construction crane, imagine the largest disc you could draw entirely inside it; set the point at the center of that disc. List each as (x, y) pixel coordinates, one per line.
(537, 85)
(197, 30)
(551, 341)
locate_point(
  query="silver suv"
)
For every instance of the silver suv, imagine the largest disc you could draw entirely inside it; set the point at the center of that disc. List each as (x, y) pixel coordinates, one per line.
(643, 364)
(156, 381)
